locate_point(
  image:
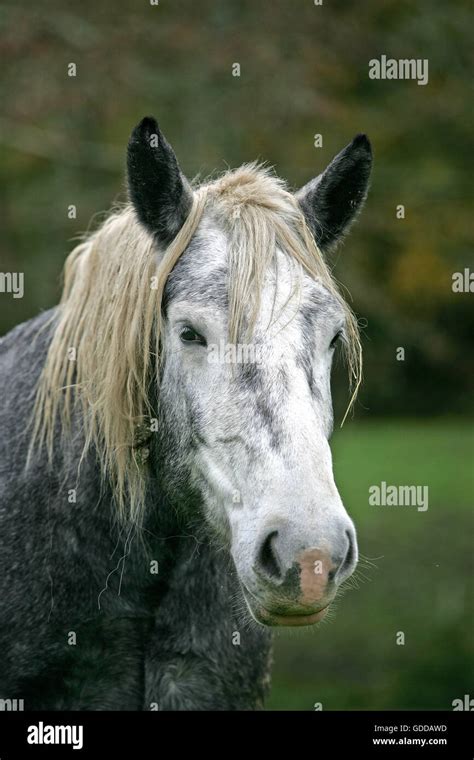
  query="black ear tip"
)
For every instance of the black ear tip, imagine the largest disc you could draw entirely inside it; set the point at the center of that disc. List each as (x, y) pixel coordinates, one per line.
(361, 143)
(148, 126)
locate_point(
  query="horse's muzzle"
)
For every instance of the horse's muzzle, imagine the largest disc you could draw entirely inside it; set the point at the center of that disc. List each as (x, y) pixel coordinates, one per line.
(292, 584)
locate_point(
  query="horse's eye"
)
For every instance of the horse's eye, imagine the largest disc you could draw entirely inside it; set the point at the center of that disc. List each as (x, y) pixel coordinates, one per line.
(335, 339)
(189, 335)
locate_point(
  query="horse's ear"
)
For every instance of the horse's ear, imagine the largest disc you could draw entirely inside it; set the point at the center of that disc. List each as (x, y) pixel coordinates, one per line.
(332, 201)
(158, 190)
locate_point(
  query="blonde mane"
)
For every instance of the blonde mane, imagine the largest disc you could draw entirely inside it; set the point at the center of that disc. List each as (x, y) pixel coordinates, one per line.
(104, 354)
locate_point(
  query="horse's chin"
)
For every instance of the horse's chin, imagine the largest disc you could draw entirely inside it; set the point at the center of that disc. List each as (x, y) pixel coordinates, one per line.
(266, 617)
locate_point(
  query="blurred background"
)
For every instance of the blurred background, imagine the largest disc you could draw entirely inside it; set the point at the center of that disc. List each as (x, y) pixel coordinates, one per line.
(303, 71)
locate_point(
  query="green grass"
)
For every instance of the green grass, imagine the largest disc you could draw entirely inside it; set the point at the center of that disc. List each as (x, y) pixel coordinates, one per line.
(418, 582)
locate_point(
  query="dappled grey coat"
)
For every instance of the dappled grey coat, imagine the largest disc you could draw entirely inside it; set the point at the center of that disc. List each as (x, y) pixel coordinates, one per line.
(167, 641)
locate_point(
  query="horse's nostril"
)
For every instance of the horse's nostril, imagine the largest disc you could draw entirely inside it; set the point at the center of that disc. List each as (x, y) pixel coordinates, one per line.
(350, 555)
(267, 559)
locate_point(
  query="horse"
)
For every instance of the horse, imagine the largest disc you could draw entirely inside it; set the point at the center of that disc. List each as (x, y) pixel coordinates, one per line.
(166, 499)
